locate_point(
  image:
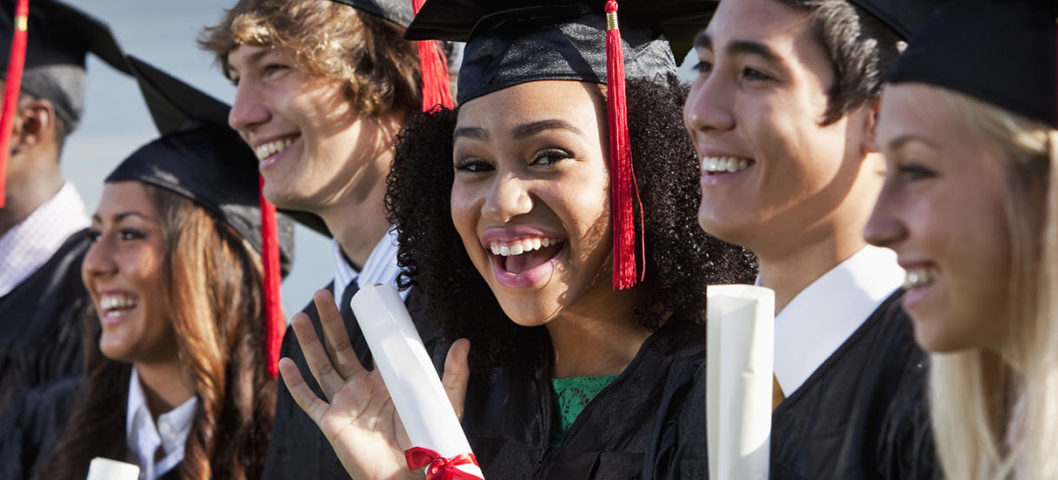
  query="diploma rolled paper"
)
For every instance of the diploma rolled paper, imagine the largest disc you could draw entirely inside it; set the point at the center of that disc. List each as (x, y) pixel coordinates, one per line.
(739, 352)
(107, 469)
(412, 381)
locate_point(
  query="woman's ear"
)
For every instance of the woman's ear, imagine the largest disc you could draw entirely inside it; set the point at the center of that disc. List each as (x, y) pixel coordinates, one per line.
(870, 127)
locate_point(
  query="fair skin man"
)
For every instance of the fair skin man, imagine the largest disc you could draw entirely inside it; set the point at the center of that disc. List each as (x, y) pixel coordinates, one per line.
(316, 152)
(798, 192)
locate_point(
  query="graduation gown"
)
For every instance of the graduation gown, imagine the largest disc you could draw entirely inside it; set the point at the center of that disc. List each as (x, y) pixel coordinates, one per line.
(648, 423)
(40, 323)
(298, 449)
(35, 424)
(863, 413)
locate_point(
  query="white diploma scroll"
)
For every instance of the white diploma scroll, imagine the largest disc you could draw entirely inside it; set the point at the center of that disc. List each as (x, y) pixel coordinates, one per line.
(107, 469)
(739, 352)
(410, 377)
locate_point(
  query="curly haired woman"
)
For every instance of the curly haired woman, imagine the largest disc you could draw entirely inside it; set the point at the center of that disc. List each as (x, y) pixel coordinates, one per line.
(504, 207)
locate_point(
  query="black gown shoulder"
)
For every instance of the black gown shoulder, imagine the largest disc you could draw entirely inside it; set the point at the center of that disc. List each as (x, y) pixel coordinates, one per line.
(40, 323)
(648, 423)
(298, 449)
(860, 414)
(33, 427)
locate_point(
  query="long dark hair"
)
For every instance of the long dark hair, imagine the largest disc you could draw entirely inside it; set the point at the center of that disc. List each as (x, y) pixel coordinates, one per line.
(215, 305)
(681, 259)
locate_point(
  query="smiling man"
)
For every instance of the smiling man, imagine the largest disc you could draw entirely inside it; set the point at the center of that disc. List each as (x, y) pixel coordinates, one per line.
(323, 87)
(782, 114)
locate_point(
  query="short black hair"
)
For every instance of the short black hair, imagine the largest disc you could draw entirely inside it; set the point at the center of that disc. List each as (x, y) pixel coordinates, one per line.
(861, 50)
(681, 258)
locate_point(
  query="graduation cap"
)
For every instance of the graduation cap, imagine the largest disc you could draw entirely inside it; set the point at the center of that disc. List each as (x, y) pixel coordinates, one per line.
(903, 17)
(433, 65)
(49, 63)
(1012, 67)
(199, 157)
(519, 41)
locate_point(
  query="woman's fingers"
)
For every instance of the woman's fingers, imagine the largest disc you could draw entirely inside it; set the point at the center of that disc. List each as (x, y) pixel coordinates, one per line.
(342, 352)
(303, 395)
(457, 374)
(319, 363)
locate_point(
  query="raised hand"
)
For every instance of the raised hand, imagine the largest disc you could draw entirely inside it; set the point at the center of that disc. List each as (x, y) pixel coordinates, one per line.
(358, 417)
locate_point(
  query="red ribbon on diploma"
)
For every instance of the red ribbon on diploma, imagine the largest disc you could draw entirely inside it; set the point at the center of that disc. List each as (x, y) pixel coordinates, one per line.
(438, 467)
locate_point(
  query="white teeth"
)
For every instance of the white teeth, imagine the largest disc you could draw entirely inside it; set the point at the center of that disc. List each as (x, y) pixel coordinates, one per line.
(724, 164)
(919, 276)
(115, 302)
(519, 247)
(266, 150)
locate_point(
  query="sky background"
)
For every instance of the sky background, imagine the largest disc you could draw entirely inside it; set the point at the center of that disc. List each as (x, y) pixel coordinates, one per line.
(116, 121)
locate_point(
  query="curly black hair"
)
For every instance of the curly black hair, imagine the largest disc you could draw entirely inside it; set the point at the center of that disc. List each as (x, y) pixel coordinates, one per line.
(681, 258)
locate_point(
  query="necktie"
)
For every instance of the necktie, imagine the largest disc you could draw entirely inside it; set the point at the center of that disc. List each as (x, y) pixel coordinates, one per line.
(347, 296)
(356, 336)
(776, 393)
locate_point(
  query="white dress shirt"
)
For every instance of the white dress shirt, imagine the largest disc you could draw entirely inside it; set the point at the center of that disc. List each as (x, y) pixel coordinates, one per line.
(380, 267)
(143, 436)
(826, 313)
(29, 244)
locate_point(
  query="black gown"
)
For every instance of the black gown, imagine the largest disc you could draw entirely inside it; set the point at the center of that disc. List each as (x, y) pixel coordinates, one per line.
(863, 413)
(648, 423)
(32, 429)
(40, 323)
(298, 449)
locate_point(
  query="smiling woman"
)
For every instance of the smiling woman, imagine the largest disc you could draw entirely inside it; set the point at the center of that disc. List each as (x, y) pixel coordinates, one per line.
(176, 376)
(505, 222)
(970, 205)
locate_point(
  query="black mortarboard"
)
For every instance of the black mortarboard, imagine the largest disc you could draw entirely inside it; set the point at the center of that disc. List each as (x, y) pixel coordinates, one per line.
(1001, 52)
(520, 41)
(903, 17)
(396, 11)
(60, 37)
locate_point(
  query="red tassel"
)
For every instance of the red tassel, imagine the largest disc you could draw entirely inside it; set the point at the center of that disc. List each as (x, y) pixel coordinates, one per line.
(434, 69)
(622, 178)
(16, 60)
(275, 323)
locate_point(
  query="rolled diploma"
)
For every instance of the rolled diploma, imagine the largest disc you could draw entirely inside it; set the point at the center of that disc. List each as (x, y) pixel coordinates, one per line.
(107, 469)
(740, 346)
(410, 377)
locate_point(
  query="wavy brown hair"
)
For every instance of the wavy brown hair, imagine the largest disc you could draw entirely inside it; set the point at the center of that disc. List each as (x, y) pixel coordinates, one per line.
(680, 258)
(216, 309)
(379, 68)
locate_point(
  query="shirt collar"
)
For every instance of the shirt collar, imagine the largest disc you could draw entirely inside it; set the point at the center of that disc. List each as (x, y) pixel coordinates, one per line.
(381, 267)
(28, 245)
(826, 313)
(143, 436)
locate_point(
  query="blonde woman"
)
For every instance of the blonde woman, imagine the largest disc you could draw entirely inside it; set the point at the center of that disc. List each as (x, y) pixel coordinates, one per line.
(970, 204)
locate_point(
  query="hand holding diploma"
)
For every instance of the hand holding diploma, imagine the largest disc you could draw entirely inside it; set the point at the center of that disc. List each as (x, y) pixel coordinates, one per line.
(358, 416)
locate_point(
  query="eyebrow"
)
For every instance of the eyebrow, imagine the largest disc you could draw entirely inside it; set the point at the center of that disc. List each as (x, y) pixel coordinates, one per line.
(521, 131)
(741, 47)
(121, 216)
(473, 133)
(251, 59)
(899, 142)
(530, 129)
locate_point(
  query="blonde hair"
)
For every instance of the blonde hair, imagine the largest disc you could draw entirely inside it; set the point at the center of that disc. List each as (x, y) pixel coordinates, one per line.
(995, 414)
